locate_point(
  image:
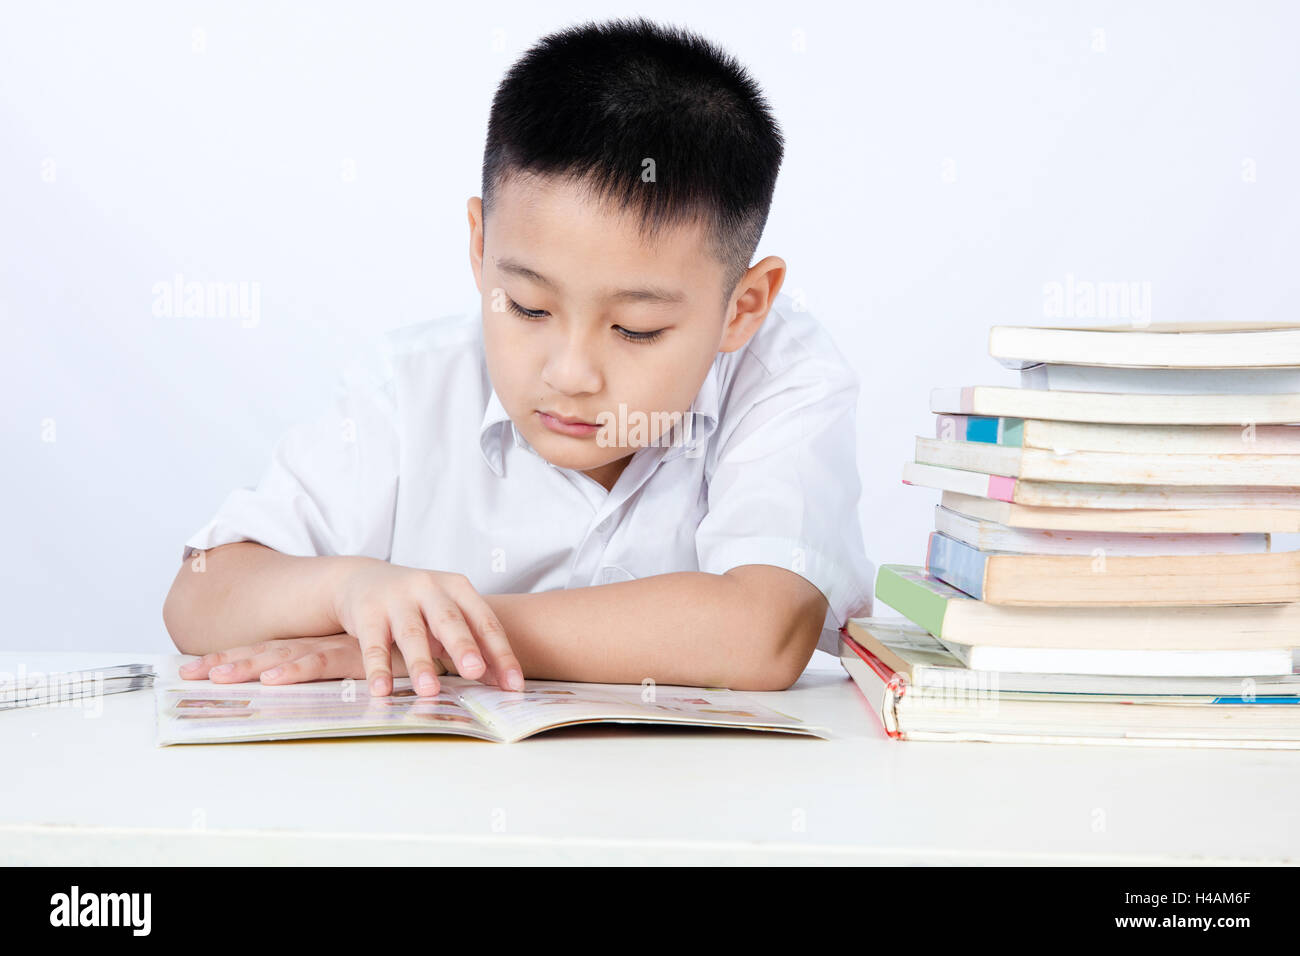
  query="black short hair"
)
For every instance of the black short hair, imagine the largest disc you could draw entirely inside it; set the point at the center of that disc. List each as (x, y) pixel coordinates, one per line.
(592, 102)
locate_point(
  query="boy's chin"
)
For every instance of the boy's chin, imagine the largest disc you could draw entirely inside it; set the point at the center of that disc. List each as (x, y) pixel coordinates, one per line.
(553, 449)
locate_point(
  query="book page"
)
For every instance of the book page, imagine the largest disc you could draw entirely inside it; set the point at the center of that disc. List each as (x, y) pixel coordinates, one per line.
(203, 712)
(544, 705)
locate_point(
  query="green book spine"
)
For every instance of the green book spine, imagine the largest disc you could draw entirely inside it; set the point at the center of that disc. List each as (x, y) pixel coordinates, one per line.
(1013, 432)
(912, 593)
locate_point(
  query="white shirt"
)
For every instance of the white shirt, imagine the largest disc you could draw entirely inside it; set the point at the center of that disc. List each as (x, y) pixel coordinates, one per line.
(418, 463)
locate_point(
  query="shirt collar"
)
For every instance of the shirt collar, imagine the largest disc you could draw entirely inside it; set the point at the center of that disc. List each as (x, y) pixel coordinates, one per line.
(701, 419)
(496, 425)
(698, 423)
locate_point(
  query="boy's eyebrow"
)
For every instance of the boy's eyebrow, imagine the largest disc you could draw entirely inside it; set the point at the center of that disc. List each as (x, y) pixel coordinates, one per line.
(644, 294)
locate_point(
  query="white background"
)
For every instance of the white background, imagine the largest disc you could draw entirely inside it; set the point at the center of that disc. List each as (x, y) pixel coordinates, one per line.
(944, 162)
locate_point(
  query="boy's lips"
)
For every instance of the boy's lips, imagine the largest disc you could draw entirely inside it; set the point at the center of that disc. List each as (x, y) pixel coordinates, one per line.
(566, 425)
(566, 419)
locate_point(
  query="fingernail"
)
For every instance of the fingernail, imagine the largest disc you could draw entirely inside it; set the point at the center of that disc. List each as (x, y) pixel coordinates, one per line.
(470, 661)
(273, 673)
(189, 665)
(377, 687)
(223, 669)
(514, 680)
(426, 681)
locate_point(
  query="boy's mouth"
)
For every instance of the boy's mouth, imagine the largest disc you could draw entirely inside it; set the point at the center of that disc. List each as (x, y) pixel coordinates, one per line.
(564, 425)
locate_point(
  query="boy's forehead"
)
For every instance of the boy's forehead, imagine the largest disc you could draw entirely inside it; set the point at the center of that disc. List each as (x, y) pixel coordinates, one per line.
(530, 201)
(548, 220)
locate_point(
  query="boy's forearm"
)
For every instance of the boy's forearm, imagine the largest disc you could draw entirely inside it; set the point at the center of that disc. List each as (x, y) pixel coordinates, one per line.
(691, 628)
(242, 593)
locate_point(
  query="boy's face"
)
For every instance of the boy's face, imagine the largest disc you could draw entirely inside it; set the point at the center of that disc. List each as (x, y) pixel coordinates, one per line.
(621, 329)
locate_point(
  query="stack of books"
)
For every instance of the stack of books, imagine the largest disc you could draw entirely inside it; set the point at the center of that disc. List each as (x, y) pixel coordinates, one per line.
(34, 688)
(1104, 566)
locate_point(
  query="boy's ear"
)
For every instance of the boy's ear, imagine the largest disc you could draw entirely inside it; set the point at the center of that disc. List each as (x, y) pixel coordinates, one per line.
(475, 211)
(758, 290)
(740, 329)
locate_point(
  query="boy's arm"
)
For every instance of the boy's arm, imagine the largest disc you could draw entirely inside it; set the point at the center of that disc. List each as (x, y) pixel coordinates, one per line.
(242, 593)
(752, 628)
(270, 556)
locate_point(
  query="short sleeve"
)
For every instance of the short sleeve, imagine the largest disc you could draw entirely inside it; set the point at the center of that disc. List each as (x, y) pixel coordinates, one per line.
(784, 487)
(331, 487)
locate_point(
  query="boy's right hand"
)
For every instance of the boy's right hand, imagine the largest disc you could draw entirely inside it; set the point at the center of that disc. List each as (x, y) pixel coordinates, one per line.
(427, 614)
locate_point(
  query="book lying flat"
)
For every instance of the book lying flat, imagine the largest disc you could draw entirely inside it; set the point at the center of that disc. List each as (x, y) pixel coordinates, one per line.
(1074, 494)
(909, 712)
(1138, 439)
(986, 535)
(994, 430)
(1111, 467)
(196, 712)
(923, 660)
(1233, 639)
(1135, 520)
(31, 688)
(1104, 580)
(1156, 344)
(1161, 381)
(1124, 662)
(1000, 401)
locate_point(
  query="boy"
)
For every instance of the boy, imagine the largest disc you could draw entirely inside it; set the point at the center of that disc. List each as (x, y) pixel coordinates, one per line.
(633, 458)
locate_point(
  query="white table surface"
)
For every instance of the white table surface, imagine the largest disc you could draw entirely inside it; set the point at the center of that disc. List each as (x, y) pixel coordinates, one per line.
(79, 791)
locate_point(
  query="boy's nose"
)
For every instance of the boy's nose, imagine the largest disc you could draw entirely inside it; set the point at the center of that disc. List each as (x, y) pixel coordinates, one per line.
(572, 370)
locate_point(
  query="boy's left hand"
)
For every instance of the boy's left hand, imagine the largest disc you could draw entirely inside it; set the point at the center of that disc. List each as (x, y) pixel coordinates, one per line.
(291, 660)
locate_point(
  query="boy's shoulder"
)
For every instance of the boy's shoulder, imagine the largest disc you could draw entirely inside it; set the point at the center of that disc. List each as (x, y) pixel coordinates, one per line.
(409, 349)
(448, 333)
(790, 345)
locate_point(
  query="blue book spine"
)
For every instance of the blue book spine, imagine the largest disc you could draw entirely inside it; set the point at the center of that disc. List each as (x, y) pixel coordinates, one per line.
(987, 430)
(980, 428)
(956, 563)
(1257, 700)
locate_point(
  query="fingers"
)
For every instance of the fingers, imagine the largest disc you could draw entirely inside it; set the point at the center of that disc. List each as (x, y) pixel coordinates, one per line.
(492, 639)
(443, 616)
(504, 663)
(330, 660)
(281, 661)
(372, 635)
(448, 625)
(501, 663)
(238, 664)
(412, 638)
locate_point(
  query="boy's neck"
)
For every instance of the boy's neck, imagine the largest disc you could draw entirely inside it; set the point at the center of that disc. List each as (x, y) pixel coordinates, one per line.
(607, 475)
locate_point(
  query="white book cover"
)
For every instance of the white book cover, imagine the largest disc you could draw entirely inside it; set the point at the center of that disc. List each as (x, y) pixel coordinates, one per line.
(1161, 381)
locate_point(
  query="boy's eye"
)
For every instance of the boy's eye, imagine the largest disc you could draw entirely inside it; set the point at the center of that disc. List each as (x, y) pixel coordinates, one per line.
(519, 310)
(639, 336)
(628, 334)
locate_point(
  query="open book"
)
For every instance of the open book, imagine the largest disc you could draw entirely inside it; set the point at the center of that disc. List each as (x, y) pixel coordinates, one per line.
(196, 712)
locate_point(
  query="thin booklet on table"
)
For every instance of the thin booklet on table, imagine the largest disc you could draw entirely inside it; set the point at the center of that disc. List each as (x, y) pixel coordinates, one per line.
(193, 712)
